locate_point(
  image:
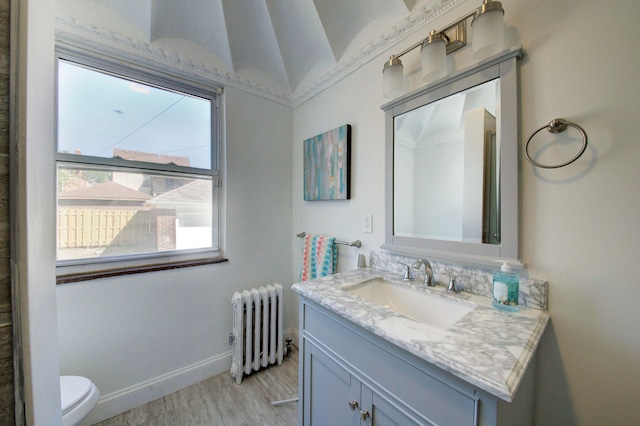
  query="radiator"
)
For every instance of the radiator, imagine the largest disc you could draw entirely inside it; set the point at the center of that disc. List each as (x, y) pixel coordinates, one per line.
(257, 330)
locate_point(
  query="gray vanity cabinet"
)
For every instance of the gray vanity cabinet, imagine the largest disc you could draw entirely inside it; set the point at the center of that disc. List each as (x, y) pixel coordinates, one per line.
(330, 386)
(349, 376)
(335, 396)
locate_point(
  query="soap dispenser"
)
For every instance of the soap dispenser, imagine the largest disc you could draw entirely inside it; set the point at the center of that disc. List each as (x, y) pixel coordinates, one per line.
(505, 288)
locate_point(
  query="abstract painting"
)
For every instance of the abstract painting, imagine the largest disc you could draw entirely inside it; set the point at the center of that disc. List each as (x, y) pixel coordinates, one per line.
(327, 160)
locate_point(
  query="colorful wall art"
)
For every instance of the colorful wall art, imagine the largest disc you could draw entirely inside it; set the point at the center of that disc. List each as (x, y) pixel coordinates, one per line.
(327, 160)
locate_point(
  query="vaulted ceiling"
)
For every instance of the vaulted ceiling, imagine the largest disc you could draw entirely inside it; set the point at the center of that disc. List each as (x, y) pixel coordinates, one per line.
(285, 49)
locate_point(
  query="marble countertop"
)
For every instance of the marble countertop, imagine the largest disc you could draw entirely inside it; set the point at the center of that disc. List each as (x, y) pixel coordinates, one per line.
(487, 348)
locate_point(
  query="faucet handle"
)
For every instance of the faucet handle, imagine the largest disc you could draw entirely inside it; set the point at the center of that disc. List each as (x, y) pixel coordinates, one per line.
(453, 286)
(408, 276)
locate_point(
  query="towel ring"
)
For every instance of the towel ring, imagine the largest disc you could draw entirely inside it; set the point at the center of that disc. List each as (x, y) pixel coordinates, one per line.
(557, 125)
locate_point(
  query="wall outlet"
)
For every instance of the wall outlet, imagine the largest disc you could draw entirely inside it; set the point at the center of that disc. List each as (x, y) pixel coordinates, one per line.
(367, 224)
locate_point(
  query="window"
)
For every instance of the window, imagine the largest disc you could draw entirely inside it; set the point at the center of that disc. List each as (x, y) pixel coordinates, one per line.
(137, 168)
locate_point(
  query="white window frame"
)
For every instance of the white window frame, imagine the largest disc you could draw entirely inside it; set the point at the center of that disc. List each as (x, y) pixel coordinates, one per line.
(84, 269)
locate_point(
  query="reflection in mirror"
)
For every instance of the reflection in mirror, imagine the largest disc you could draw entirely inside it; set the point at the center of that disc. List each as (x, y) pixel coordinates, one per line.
(445, 166)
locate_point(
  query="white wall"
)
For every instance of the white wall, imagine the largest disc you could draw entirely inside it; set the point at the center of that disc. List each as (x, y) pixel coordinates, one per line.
(350, 101)
(32, 208)
(579, 225)
(138, 336)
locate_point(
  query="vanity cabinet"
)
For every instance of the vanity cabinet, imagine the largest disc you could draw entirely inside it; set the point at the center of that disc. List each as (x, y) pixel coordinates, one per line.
(349, 376)
(336, 396)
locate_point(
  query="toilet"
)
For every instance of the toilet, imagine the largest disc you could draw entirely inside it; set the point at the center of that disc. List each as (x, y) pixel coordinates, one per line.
(78, 396)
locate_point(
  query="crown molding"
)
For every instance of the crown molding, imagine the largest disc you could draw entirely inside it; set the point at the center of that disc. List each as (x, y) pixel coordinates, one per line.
(78, 34)
(74, 33)
(413, 22)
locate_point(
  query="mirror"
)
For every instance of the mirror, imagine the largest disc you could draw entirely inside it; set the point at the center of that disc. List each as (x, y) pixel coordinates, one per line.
(444, 168)
(452, 166)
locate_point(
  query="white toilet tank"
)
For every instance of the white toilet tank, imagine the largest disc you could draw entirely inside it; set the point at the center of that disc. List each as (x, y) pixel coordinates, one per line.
(78, 396)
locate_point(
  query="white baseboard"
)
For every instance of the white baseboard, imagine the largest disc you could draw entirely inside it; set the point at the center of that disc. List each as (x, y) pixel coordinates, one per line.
(141, 393)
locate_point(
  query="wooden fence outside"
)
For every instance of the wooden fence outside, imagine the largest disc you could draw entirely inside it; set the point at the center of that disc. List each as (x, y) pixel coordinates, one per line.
(91, 227)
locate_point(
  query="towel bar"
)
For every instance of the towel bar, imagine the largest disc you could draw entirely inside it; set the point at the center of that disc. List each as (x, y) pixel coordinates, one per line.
(356, 243)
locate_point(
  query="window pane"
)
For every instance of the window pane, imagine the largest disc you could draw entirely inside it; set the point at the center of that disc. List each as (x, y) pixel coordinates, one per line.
(108, 212)
(106, 116)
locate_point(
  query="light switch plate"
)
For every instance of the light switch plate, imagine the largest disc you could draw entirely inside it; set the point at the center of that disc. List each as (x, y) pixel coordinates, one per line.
(367, 223)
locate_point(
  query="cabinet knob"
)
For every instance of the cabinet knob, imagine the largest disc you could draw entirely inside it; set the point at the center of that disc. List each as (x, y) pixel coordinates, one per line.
(364, 414)
(353, 405)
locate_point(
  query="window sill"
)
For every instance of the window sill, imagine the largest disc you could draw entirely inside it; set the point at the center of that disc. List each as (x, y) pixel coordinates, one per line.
(116, 272)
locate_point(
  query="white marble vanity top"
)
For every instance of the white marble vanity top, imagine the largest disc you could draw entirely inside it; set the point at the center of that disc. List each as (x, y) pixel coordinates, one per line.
(487, 348)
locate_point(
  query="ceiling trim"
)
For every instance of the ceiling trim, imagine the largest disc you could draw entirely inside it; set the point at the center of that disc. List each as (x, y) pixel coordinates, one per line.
(416, 20)
(72, 31)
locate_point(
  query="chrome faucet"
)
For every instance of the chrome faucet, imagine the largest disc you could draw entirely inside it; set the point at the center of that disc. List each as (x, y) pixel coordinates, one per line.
(428, 272)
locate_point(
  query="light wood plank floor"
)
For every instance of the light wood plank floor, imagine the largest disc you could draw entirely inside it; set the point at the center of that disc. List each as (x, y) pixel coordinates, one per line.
(220, 401)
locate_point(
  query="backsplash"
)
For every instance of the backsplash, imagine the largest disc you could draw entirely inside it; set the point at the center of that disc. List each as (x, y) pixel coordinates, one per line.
(533, 292)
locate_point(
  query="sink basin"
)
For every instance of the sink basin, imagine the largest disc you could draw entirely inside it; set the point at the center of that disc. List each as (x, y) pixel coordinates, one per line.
(427, 308)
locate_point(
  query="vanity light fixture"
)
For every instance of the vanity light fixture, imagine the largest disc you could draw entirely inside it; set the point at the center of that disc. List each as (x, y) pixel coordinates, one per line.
(488, 38)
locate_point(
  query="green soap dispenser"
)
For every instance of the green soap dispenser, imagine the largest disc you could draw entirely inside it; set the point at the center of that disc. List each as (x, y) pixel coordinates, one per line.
(505, 288)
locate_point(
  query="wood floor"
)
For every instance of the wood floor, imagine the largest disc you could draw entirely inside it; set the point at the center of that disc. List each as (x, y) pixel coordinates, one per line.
(220, 401)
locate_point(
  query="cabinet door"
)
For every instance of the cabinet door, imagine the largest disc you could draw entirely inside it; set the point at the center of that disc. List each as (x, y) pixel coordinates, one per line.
(328, 390)
(383, 412)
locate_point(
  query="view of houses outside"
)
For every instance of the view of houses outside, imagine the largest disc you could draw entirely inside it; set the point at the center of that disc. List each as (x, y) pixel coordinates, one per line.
(103, 212)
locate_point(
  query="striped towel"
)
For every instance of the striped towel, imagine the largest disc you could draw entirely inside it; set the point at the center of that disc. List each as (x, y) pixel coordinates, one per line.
(319, 257)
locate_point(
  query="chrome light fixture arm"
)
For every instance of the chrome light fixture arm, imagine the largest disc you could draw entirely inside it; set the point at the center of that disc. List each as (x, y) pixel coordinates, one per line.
(458, 28)
(454, 36)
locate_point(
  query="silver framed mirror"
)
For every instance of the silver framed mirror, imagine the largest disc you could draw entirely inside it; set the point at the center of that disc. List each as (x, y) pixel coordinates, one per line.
(451, 166)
